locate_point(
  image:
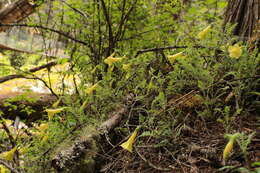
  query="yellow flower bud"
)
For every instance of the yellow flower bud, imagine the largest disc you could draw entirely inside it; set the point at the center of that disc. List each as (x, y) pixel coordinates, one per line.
(94, 70)
(91, 89)
(3, 169)
(82, 107)
(45, 138)
(43, 127)
(203, 33)
(52, 112)
(172, 58)
(128, 145)
(111, 60)
(229, 147)
(8, 155)
(56, 104)
(7, 123)
(235, 51)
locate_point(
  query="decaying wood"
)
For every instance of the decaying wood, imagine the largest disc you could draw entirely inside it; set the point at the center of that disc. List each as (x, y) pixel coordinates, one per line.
(16, 12)
(245, 14)
(19, 101)
(79, 156)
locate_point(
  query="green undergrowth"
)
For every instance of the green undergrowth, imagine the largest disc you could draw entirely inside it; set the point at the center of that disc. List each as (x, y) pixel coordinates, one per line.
(206, 86)
(184, 98)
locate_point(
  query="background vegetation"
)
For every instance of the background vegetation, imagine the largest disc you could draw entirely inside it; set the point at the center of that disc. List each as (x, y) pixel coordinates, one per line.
(190, 83)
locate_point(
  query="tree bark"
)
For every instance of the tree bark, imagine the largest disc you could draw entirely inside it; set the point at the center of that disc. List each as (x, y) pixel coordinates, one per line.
(79, 155)
(16, 12)
(245, 14)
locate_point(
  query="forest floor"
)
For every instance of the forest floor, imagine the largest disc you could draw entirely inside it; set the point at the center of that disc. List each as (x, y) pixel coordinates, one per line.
(199, 149)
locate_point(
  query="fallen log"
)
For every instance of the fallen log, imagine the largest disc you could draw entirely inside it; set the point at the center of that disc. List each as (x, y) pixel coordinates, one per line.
(79, 155)
(29, 106)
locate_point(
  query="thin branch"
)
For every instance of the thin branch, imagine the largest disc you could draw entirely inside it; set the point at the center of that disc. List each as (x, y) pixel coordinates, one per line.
(109, 24)
(75, 9)
(151, 164)
(164, 48)
(10, 77)
(45, 83)
(35, 69)
(48, 65)
(9, 167)
(47, 29)
(11, 138)
(4, 47)
(123, 21)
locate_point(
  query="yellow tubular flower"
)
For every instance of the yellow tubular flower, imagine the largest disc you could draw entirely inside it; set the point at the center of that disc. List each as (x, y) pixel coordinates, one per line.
(235, 51)
(3, 169)
(91, 89)
(52, 112)
(8, 155)
(56, 104)
(82, 107)
(43, 127)
(45, 138)
(172, 58)
(128, 145)
(203, 33)
(94, 70)
(229, 147)
(8, 122)
(111, 60)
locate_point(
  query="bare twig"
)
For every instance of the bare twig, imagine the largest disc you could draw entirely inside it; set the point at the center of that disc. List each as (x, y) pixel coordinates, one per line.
(164, 48)
(9, 167)
(47, 29)
(11, 138)
(4, 47)
(16, 76)
(151, 164)
(109, 25)
(75, 9)
(124, 19)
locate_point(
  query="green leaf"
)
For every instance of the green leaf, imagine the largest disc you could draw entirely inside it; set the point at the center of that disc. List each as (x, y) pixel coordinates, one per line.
(62, 61)
(256, 164)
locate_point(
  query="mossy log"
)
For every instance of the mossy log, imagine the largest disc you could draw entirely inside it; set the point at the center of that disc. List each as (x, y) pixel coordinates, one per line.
(29, 106)
(79, 155)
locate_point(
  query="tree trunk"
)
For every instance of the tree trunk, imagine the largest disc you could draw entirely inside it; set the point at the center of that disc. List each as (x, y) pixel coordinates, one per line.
(16, 12)
(245, 14)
